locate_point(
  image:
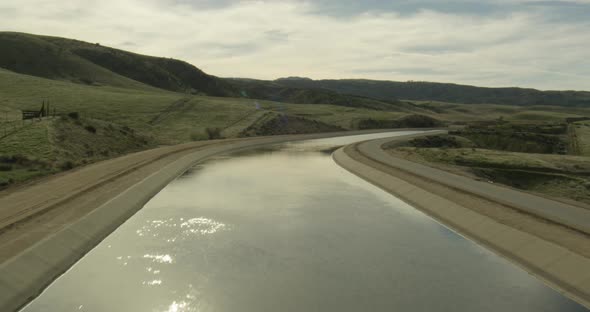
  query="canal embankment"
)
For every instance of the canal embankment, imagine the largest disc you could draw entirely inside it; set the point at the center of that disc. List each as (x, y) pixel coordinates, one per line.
(549, 243)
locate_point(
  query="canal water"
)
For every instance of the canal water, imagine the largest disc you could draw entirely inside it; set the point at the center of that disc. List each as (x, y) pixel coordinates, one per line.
(284, 228)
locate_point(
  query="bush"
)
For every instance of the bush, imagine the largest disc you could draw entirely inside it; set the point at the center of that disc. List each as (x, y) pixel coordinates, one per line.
(441, 141)
(409, 121)
(5, 182)
(14, 159)
(420, 121)
(127, 129)
(213, 133)
(74, 115)
(87, 81)
(90, 129)
(66, 165)
(5, 167)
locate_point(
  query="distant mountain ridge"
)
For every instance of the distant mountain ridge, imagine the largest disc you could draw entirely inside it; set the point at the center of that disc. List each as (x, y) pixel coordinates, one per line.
(274, 91)
(445, 92)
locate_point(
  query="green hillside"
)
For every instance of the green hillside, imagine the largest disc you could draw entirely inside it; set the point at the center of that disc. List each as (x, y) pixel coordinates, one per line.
(93, 64)
(168, 117)
(268, 90)
(32, 55)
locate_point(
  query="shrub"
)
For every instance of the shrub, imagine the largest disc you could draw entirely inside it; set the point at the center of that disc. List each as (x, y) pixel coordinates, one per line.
(90, 129)
(5, 182)
(409, 121)
(420, 121)
(14, 159)
(127, 129)
(66, 165)
(74, 115)
(213, 133)
(5, 167)
(87, 81)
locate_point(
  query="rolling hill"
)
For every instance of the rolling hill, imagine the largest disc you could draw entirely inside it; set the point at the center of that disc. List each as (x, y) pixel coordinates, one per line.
(444, 92)
(93, 64)
(274, 91)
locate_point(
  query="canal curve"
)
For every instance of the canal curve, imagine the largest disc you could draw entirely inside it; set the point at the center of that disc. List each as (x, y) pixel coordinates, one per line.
(283, 228)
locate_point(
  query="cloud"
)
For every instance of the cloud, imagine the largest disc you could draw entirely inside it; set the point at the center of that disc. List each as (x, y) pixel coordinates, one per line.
(489, 43)
(345, 8)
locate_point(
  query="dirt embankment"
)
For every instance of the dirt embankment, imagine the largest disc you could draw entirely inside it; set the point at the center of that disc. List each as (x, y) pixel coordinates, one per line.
(31, 212)
(556, 254)
(277, 124)
(553, 232)
(563, 177)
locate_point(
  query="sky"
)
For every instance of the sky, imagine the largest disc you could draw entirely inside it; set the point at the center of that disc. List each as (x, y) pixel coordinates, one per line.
(539, 44)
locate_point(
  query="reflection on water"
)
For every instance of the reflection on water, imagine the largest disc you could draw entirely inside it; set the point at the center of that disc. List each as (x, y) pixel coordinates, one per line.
(159, 258)
(174, 229)
(285, 229)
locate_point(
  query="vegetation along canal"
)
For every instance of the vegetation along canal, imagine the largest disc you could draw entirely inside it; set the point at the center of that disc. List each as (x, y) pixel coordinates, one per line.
(284, 228)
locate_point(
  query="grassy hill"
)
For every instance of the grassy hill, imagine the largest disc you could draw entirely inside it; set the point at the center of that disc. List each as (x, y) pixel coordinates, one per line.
(93, 64)
(273, 91)
(444, 92)
(55, 144)
(32, 55)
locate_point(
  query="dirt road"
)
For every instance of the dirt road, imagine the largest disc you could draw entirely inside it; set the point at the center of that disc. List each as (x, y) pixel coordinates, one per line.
(569, 215)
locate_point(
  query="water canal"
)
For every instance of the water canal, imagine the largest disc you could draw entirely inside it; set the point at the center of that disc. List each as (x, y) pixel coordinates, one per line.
(284, 228)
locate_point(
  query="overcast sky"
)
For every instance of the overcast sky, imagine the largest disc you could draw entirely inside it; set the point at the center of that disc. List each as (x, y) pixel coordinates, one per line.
(540, 44)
